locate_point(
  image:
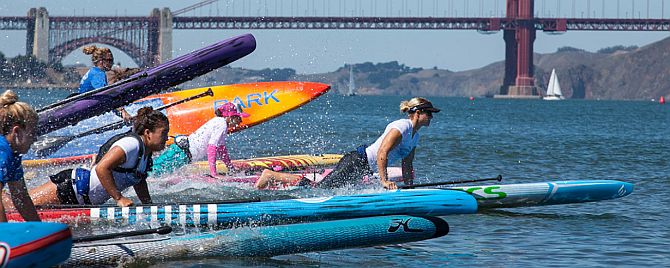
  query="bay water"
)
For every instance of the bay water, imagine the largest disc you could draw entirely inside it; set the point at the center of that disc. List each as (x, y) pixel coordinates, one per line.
(523, 140)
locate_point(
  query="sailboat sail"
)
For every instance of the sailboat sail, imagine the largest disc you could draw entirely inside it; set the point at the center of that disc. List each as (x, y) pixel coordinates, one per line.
(352, 85)
(554, 88)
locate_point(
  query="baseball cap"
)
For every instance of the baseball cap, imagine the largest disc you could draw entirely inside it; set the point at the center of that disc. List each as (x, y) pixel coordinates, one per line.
(230, 109)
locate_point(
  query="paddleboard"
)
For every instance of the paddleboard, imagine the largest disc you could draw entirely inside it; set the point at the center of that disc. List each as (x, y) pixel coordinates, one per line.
(419, 202)
(145, 83)
(513, 195)
(263, 241)
(546, 193)
(262, 101)
(34, 244)
(282, 163)
(286, 162)
(496, 196)
(502, 195)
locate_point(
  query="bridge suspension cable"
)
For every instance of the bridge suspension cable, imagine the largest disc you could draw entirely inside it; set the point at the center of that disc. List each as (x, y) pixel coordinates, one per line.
(193, 7)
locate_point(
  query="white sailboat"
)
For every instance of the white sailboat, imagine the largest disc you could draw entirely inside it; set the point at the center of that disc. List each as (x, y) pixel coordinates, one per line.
(554, 88)
(352, 85)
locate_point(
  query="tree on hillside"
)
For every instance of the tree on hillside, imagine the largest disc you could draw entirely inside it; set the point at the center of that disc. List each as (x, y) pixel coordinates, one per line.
(610, 50)
(26, 67)
(274, 74)
(569, 49)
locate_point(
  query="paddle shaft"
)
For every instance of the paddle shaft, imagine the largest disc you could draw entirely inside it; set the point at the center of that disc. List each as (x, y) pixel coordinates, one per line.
(92, 92)
(498, 178)
(160, 230)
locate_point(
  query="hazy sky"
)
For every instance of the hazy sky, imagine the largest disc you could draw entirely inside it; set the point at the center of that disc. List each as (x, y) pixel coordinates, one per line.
(316, 51)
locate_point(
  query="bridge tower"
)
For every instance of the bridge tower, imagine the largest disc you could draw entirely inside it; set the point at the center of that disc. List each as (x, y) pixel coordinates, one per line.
(37, 43)
(147, 40)
(164, 36)
(519, 51)
(160, 39)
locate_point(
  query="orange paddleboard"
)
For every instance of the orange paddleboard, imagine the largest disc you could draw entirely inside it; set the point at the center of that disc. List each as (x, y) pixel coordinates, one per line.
(262, 101)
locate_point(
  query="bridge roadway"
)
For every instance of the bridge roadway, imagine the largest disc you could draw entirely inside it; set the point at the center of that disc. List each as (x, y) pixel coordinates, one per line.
(355, 23)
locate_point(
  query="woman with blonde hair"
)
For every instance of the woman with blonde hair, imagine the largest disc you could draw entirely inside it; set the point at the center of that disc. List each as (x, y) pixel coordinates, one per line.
(96, 77)
(398, 142)
(17, 122)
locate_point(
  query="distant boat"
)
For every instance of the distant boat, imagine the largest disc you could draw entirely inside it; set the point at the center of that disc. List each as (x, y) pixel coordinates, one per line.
(352, 85)
(554, 88)
(661, 100)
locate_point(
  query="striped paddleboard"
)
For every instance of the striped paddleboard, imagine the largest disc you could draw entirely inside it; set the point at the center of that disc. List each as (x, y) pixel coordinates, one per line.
(419, 202)
(34, 244)
(263, 241)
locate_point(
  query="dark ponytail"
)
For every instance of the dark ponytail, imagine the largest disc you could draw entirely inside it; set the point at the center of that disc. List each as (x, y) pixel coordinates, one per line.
(148, 118)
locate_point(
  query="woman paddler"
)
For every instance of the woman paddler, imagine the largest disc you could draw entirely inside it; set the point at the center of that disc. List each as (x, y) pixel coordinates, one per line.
(96, 77)
(17, 122)
(398, 142)
(208, 142)
(123, 161)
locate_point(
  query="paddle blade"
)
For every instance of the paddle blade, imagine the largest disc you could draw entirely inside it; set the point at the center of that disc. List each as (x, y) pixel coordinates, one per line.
(45, 146)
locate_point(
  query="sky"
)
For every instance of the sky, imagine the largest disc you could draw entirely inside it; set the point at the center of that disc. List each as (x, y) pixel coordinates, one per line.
(318, 51)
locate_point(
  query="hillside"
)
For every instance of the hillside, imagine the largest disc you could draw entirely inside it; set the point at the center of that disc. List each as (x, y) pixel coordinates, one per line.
(611, 73)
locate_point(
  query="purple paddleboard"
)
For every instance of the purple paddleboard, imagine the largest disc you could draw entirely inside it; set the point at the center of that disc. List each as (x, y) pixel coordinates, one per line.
(171, 73)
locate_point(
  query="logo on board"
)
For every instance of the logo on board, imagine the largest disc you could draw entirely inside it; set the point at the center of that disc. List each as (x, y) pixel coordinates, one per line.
(250, 100)
(397, 224)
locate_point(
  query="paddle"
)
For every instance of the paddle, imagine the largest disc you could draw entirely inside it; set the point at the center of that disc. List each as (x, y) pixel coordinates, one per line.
(498, 178)
(161, 230)
(48, 145)
(92, 92)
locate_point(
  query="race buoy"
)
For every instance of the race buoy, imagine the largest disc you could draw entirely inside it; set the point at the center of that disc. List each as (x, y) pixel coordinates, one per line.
(472, 98)
(661, 100)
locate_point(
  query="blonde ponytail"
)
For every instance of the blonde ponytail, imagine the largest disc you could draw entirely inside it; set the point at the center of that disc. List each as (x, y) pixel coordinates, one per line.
(97, 53)
(15, 113)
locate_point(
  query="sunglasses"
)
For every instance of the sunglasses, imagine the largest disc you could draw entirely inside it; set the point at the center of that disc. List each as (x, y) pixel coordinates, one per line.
(428, 113)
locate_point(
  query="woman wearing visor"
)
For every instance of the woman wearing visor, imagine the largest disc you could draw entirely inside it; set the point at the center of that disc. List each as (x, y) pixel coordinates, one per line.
(398, 142)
